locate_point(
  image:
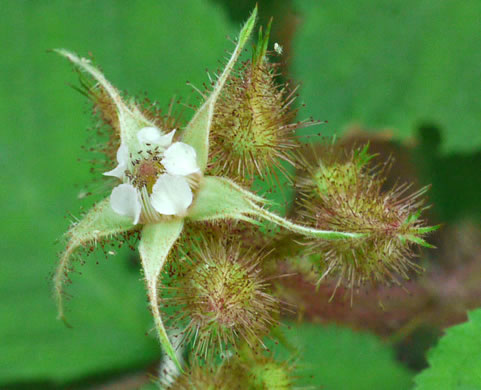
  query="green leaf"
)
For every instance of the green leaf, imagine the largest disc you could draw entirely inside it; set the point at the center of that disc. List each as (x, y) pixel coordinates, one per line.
(141, 46)
(392, 65)
(196, 133)
(455, 361)
(337, 358)
(101, 222)
(157, 240)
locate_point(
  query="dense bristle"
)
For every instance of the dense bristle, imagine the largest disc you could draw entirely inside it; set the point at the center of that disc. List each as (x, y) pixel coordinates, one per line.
(254, 126)
(343, 192)
(229, 375)
(246, 370)
(222, 299)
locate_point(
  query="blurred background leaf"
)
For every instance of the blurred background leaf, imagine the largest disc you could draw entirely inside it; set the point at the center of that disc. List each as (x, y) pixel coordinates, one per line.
(337, 358)
(454, 362)
(392, 65)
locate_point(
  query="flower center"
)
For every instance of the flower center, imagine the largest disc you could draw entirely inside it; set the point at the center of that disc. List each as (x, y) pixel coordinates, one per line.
(158, 181)
(146, 172)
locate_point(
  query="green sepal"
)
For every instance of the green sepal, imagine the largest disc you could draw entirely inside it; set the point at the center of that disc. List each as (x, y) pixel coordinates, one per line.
(305, 230)
(101, 222)
(196, 133)
(413, 217)
(131, 120)
(260, 49)
(155, 244)
(362, 156)
(427, 229)
(416, 239)
(220, 198)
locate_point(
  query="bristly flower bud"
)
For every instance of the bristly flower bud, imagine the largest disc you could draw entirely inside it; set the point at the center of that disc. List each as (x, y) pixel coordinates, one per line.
(271, 376)
(253, 128)
(251, 371)
(223, 298)
(226, 376)
(343, 191)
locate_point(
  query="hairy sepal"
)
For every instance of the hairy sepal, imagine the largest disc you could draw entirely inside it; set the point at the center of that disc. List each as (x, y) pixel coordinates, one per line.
(196, 134)
(155, 244)
(220, 198)
(101, 222)
(131, 120)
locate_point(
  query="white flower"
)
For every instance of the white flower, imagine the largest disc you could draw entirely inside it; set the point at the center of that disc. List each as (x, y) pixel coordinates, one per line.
(171, 194)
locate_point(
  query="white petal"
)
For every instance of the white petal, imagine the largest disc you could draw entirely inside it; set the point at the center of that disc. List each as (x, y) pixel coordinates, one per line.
(123, 154)
(152, 135)
(122, 159)
(171, 195)
(180, 159)
(124, 200)
(118, 171)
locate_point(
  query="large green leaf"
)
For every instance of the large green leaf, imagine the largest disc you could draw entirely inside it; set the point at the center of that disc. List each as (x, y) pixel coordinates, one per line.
(455, 361)
(392, 64)
(142, 46)
(338, 358)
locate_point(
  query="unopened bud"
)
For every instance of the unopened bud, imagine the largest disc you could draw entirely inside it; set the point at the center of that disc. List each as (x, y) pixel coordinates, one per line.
(253, 128)
(224, 298)
(343, 192)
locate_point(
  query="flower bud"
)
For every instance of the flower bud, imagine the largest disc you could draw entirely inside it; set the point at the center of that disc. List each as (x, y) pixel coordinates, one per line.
(223, 298)
(271, 376)
(254, 372)
(253, 128)
(344, 192)
(226, 376)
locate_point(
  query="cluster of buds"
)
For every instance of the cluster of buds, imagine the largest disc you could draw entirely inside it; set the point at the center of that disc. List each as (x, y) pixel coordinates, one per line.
(168, 177)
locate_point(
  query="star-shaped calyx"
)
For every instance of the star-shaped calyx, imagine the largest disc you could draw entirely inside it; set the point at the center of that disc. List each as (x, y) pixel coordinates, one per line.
(163, 184)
